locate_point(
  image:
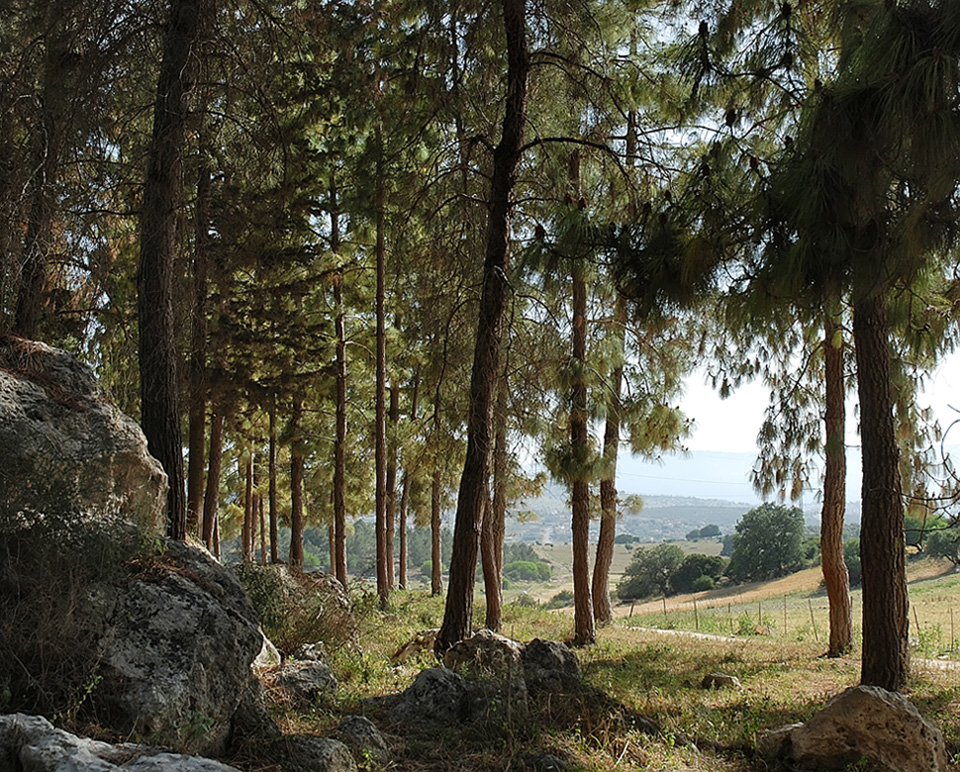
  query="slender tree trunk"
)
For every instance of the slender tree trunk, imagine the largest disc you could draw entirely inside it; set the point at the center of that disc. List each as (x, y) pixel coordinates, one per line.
(436, 524)
(391, 484)
(494, 521)
(246, 473)
(584, 629)
(338, 555)
(835, 574)
(296, 487)
(402, 526)
(263, 529)
(211, 499)
(458, 612)
(380, 416)
(198, 351)
(331, 548)
(162, 200)
(272, 483)
(885, 658)
(602, 608)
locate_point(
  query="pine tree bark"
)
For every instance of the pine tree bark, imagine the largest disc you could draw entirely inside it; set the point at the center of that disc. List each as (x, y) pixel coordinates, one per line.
(458, 612)
(247, 532)
(198, 351)
(391, 486)
(162, 200)
(885, 658)
(211, 499)
(835, 574)
(402, 526)
(272, 483)
(380, 413)
(495, 519)
(436, 524)
(339, 552)
(296, 487)
(584, 629)
(602, 608)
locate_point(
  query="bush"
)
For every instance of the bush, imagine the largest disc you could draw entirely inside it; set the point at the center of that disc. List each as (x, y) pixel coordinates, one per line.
(298, 608)
(693, 568)
(702, 584)
(528, 571)
(650, 572)
(562, 599)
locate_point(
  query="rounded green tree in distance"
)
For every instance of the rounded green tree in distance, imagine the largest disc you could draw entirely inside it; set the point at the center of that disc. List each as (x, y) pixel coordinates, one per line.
(768, 542)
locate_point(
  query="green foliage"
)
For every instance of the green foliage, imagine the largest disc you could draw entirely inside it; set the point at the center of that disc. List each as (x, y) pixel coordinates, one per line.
(695, 568)
(768, 542)
(851, 556)
(707, 532)
(562, 599)
(945, 543)
(528, 571)
(650, 572)
(298, 608)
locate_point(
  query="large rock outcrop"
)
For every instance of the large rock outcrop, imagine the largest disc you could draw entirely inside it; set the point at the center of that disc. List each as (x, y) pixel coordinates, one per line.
(862, 722)
(176, 657)
(63, 448)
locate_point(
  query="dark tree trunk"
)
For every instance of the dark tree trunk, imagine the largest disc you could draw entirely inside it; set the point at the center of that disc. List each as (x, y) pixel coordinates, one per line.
(402, 527)
(380, 415)
(211, 499)
(436, 524)
(272, 484)
(458, 612)
(296, 487)
(162, 200)
(602, 608)
(248, 508)
(835, 574)
(391, 484)
(494, 522)
(584, 631)
(338, 556)
(198, 351)
(885, 658)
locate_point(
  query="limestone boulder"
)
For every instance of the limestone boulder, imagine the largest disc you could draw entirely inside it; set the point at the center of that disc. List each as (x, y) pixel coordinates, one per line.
(436, 696)
(33, 743)
(363, 738)
(550, 667)
(64, 448)
(176, 656)
(863, 722)
(307, 681)
(308, 753)
(492, 667)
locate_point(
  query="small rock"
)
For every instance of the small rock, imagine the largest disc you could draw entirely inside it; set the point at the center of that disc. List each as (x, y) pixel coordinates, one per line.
(364, 739)
(437, 695)
(550, 667)
(720, 681)
(308, 753)
(309, 680)
(268, 656)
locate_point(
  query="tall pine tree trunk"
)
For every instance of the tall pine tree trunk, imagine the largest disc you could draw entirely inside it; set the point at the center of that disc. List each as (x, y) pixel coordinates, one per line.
(162, 200)
(885, 658)
(436, 523)
(835, 574)
(198, 350)
(584, 631)
(338, 555)
(272, 484)
(296, 486)
(391, 484)
(458, 612)
(380, 413)
(211, 499)
(494, 521)
(602, 608)
(402, 526)
(248, 507)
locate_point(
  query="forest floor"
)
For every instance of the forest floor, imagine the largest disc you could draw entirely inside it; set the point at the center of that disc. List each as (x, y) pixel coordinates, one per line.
(656, 674)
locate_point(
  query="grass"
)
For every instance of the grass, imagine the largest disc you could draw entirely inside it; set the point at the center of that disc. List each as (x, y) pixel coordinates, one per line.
(655, 674)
